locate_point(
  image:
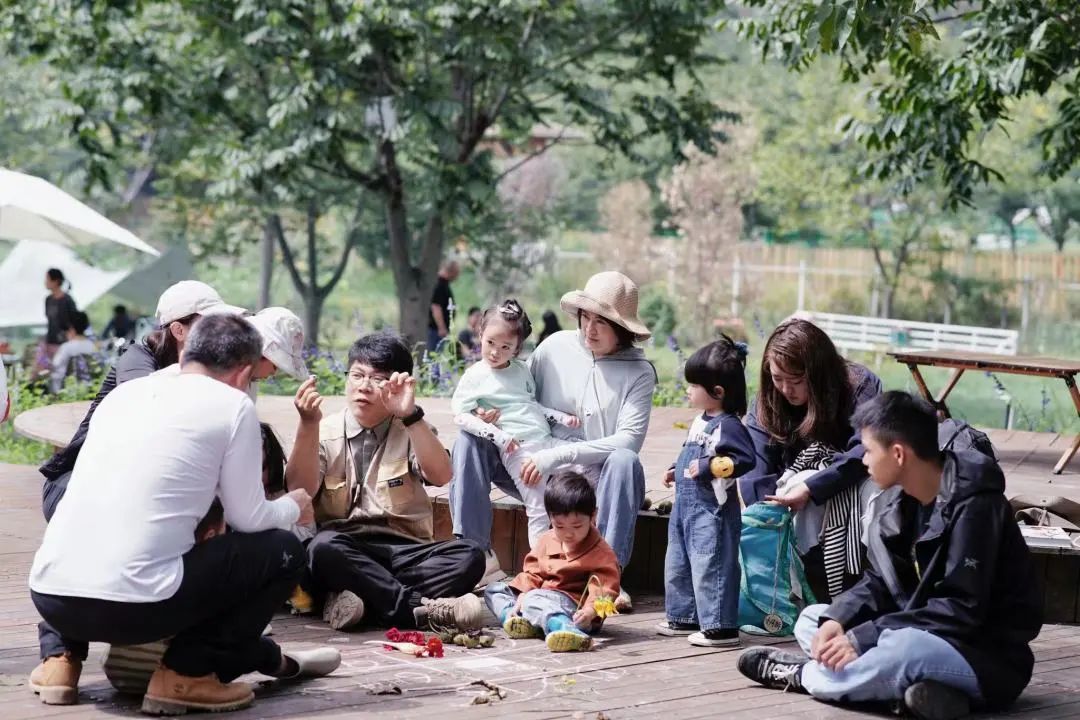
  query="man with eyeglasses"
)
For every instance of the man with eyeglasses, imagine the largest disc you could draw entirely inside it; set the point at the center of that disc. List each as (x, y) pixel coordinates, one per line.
(365, 467)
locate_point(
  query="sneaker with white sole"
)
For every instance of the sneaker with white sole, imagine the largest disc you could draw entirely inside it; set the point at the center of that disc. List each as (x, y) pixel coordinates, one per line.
(715, 638)
(670, 628)
(929, 700)
(343, 610)
(493, 571)
(461, 614)
(773, 668)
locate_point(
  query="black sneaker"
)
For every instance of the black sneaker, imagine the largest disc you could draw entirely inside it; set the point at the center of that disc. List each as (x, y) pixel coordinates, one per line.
(929, 700)
(717, 637)
(773, 668)
(676, 629)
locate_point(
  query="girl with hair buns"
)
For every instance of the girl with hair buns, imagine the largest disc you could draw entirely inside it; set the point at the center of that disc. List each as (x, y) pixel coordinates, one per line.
(806, 447)
(504, 383)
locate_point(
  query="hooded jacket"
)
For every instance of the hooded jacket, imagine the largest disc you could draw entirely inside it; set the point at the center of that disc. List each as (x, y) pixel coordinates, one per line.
(611, 395)
(846, 469)
(972, 582)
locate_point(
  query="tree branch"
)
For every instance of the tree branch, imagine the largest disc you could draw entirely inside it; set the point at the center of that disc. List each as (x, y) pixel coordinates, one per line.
(532, 155)
(274, 223)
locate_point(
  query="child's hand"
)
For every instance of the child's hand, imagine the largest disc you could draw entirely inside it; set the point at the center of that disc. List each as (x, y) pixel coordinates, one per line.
(573, 421)
(669, 477)
(584, 617)
(512, 446)
(692, 469)
(517, 604)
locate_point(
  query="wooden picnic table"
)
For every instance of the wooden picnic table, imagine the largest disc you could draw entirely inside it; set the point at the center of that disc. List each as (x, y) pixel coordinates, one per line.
(1035, 365)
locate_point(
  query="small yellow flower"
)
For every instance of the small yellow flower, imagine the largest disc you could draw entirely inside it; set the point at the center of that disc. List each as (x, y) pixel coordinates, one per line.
(300, 601)
(604, 606)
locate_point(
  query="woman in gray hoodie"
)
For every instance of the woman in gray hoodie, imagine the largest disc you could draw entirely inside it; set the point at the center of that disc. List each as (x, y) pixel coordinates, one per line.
(595, 373)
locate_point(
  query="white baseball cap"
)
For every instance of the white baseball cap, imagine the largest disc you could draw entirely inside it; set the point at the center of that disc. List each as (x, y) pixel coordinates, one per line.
(191, 297)
(283, 340)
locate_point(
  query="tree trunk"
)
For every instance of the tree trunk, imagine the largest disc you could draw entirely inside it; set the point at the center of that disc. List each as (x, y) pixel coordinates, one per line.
(413, 282)
(313, 307)
(266, 268)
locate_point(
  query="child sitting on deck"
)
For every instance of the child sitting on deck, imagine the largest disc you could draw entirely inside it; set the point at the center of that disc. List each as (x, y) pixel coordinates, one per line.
(504, 383)
(701, 569)
(567, 571)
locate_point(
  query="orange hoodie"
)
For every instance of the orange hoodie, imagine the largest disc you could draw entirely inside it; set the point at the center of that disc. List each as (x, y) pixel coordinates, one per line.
(547, 567)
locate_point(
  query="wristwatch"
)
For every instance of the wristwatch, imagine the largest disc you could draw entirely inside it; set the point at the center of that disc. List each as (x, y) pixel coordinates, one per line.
(414, 417)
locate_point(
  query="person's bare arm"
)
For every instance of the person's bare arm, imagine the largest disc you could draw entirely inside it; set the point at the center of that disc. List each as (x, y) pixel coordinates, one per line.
(430, 454)
(303, 469)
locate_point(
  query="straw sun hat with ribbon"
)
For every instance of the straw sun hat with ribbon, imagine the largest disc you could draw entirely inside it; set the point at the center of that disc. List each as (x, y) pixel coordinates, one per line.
(612, 296)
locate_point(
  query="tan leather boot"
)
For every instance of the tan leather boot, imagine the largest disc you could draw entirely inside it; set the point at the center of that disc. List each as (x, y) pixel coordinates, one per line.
(171, 693)
(56, 680)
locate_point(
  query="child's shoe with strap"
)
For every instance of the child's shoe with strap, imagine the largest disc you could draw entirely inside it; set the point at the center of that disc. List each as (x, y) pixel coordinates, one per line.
(564, 636)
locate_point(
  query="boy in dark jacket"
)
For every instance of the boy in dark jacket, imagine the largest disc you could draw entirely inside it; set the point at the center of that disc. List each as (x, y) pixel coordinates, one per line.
(944, 618)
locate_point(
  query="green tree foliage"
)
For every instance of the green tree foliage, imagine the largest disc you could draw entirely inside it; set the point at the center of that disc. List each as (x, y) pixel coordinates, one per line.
(303, 111)
(945, 73)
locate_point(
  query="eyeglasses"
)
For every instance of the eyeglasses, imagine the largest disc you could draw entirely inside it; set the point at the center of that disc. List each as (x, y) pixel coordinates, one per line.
(360, 380)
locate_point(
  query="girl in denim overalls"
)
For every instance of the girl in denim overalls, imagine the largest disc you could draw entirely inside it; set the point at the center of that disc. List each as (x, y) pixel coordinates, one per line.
(701, 570)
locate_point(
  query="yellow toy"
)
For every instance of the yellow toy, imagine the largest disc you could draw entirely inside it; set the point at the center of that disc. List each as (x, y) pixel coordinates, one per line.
(722, 466)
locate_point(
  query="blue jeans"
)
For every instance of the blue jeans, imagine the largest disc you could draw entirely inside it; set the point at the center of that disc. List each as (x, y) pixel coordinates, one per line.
(477, 466)
(701, 568)
(900, 659)
(549, 610)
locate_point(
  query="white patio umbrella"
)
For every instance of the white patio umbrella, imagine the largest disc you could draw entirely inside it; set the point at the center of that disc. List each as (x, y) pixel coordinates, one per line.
(35, 209)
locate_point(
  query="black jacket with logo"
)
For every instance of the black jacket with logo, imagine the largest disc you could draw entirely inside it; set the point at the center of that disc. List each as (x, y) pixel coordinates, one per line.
(967, 579)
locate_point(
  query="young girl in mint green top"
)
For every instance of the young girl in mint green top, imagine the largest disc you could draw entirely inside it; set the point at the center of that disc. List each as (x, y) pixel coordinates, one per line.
(502, 382)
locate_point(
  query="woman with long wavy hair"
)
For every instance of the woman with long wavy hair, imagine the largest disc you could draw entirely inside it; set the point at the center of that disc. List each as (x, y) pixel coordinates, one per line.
(800, 422)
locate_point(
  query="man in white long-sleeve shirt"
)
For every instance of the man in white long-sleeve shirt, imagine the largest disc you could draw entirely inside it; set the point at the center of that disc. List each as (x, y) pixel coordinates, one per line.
(119, 562)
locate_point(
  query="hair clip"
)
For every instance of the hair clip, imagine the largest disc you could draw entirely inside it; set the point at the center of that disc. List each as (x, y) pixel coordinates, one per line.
(743, 349)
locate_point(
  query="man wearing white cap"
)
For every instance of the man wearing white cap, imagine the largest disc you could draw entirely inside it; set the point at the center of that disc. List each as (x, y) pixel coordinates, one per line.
(595, 373)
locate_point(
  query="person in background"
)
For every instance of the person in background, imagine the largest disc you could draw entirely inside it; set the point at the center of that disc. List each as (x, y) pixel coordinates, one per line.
(77, 345)
(120, 325)
(469, 338)
(283, 344)
(551, 326)
(442, 298)
(59, 309)
(943, 619)
(5, 399)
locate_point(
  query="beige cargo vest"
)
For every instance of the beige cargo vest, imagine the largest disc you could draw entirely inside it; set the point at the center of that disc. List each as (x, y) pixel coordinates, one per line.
(392, 499)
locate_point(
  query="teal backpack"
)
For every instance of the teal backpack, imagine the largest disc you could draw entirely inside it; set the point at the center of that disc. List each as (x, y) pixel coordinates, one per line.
(774, 589)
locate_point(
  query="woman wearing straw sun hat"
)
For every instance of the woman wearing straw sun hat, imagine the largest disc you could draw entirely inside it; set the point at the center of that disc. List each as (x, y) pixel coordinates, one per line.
(596, 373)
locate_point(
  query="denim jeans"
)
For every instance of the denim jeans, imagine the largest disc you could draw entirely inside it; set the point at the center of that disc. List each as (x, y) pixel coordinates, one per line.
(477, 466)
(701, 568)
(549, 610)
(900, 659)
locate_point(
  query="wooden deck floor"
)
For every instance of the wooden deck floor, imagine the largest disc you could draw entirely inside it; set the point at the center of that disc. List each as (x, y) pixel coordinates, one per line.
(633, 674)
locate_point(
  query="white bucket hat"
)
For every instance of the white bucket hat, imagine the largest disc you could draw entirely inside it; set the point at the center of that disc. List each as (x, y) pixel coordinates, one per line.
(191, 297)
(283, 340)
(612, 296)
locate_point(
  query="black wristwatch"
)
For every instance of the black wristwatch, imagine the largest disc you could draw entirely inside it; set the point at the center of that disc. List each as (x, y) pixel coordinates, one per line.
(414, 417)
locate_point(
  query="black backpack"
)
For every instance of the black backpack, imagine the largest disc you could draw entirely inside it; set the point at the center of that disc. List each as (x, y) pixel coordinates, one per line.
(957, 435)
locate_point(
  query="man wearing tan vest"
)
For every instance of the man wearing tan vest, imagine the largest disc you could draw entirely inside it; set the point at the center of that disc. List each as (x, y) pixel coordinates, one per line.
(374, 555)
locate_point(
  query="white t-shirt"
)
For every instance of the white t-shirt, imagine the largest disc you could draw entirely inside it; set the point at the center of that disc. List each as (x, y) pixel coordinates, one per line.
(158, 450)
(63, 356)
